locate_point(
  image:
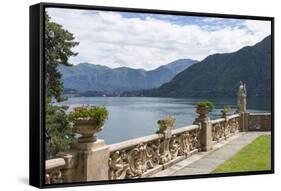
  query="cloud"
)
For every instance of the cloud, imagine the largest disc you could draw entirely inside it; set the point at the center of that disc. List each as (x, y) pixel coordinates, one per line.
(114, 40)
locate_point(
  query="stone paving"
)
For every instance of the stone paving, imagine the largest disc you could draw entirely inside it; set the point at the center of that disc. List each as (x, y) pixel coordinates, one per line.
(206, 162)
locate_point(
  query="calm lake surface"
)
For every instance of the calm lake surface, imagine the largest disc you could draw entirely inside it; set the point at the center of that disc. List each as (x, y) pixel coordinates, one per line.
(132, 117)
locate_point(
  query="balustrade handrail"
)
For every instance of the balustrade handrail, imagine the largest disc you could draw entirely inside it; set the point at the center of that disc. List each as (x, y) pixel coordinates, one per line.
(133, 142)
(233, 116)
(260, 113)
(184, 129)
(219, 120)
(54, 163)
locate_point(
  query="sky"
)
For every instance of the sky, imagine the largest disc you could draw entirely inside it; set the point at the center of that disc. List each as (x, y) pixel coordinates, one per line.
(137, 40)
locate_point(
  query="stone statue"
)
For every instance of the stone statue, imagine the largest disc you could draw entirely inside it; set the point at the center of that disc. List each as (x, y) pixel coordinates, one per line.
(241, 98)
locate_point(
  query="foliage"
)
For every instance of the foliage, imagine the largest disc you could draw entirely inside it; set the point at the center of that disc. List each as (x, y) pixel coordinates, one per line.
(58, 130)
(226, 109)
(98, 114)
(254, 157)
(58, 45)
(208, 104)
(166, 123)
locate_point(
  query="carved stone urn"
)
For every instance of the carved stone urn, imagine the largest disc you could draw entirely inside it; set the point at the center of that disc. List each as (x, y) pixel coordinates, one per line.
(166, 125)
(203, 114)
(87, 128)
(202, 111)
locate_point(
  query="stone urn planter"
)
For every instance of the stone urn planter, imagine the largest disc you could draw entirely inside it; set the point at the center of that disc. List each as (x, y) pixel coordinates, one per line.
(203, 108)
(88, 121)
(87, 128)
(202, 111)
(224, 111)
(166, 124)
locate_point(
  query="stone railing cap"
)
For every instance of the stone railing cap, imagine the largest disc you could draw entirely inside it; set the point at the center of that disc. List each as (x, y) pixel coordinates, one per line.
(263, 113)
(223, 119)
(67, 154)
(184, 129)
(233, 116)
(132, 142)
(54, 163)
(217, 120)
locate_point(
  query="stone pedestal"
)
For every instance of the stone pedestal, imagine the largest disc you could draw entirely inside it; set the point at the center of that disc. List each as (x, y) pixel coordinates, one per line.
(206, 136)
(92, 160)
(244, 121)
(205, 131)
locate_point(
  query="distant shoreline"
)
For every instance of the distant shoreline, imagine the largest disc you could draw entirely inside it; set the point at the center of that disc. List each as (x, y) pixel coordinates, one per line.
(192, 97)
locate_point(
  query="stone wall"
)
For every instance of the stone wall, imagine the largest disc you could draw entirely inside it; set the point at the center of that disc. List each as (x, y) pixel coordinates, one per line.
(259, 122)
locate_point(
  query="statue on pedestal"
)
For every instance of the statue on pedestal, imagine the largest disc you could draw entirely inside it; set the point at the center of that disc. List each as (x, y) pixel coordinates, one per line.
(241, 98)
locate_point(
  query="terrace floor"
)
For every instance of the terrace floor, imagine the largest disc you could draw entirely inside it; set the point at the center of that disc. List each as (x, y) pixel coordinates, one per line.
(206, 162)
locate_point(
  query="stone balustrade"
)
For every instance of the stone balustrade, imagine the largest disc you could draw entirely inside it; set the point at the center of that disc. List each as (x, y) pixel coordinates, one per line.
(144, 156)
(53, 170)
(223, 128)
(94, 160)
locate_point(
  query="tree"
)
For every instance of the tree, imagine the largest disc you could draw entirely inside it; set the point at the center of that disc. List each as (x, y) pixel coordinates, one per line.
(58, 45)
(59, 132)
(58, 48)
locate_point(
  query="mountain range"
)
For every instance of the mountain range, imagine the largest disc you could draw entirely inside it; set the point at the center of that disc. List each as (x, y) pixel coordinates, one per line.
(218, 75)
(93, 79)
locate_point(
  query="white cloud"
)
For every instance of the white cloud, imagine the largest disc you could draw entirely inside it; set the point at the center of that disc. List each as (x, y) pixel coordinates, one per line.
(108, 38)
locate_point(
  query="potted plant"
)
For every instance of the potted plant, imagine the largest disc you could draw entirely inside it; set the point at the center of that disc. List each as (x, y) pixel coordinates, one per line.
(225, 110)
(204, 107)
(88, 120)
(166, 123)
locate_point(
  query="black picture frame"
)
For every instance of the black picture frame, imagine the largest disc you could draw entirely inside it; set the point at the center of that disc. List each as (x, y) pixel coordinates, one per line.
(37, 94)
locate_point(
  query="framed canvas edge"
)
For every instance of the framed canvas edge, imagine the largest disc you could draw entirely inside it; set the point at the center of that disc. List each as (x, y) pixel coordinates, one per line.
(35, 96)
(37, 138)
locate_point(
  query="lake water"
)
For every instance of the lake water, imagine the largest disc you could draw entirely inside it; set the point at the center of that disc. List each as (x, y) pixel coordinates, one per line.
(131, 117)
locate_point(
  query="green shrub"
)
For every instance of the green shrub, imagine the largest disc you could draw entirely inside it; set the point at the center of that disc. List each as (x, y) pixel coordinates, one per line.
(226, 109)
(208, 104)
(166, 123)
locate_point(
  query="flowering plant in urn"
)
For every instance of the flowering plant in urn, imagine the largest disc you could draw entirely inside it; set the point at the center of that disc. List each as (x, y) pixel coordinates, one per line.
(88, 120)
